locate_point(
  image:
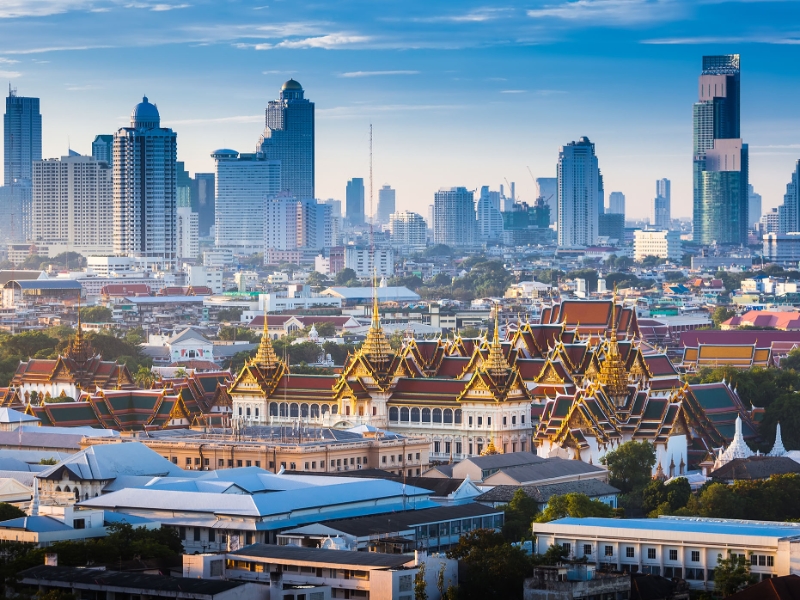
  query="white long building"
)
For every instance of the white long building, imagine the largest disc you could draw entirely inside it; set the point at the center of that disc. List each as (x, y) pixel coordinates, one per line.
(73, 205)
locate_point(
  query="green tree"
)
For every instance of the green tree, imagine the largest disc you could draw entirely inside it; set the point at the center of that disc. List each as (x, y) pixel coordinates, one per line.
(555, 553)
(233, 314)
(732, 574)
(519, 514)
(573, 505)
(589, 275)
(325, 329)
(96, 314)
(649, 261)
(412, 282)
(238, 334)
(9, 511)
(317, 279)
(144, 378)
(630, 466)
(438, 251)
(420, 585)
(720, 315)
(347, 277)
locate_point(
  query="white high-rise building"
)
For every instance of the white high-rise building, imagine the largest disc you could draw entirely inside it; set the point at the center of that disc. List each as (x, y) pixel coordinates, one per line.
(616, 203)
(753, 206)
(386, 204)
(73, 204)
(244, 184)
(408, 230)
(490, 219)
(145, 186)
(360, 259)
(188, 233)
(661, 212)
(579, 194)
(661, 244)
(291, 224)
(454, 217)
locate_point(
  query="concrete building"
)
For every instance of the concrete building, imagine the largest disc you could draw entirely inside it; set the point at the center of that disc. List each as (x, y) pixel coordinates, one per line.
(145, 186)
(408, 230)
(547, 188)
(616, 203)
(782, 248)
(661, 213)
(575, 581)
(454, 220)
(202, 197)
(789, 211)
(753, 207)
(490, 219)
(367, 262)
(354, 201)
(73, 205)
(244, 183)
(661, 244)
(103, 149)
(289, 138)
(580, 194)
(188, 233)
(770, 222)
(386, 204)
(203, 276)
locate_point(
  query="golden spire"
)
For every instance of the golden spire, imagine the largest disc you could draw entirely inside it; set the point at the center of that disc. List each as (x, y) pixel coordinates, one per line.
(496, 363)
(265, 357)
(79, 350)
(376, 347)
(612, 372)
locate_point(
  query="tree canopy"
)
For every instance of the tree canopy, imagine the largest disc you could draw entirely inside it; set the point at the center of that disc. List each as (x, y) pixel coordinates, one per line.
(574, 505)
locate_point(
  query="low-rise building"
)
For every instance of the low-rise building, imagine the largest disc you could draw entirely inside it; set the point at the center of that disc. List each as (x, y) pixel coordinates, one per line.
(661, 244)
(572, 581)
(782, 247)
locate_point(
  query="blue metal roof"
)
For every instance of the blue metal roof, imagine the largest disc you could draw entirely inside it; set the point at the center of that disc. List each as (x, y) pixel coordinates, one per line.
(46, 284)
(165, 299)
(691, 525)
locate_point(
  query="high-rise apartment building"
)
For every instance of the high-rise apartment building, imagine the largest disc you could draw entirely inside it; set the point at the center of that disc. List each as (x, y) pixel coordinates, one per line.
(244, 185)
(579, 194)
(145, 186)
(367, 262)
(753, 207)
(289, 138)
(454, 217)
(616, 203)
(202, 199)
(184, 183)
(789, 211)
(490, 219)
(103, 148)
(661, 212)
(354, 201)
(547, 189)
(720, 166)
(386, 204)
(408, 230)
(73, 205)
(293, 224)
(187, 229)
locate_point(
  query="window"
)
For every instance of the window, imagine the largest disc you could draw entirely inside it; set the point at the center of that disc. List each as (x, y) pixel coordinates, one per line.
(437, 415)
(770, 561)
(480, 421)
(188, 461)
(394, 414)
(417, 455)
(305, 466)
(448, 415)
(230, 463)
(458, 447)
(470, 421)
(695, 556)
(609, 550)
(513, 420)
(523, 419)
(79, 523)
(238, 463)
(488, 421)
(196, 534)
(587, 549)
(673, 555)
(651, 553)
(415, 415)
(182, 532)
(629, 552)
(404, 415)
(220, 462)
(447, 448)
(457, 416)
(248, 463)
(504, 420)
(205, 462)
(567, 548)
(426, 415)
(436, 447)
(212, 535)
(383, 459)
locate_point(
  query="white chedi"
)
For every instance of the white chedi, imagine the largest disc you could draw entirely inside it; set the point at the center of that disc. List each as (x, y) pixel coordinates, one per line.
(777, 448)
(738, 448)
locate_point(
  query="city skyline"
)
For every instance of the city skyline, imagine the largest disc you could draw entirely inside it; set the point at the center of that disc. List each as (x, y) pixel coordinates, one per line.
(418, 75)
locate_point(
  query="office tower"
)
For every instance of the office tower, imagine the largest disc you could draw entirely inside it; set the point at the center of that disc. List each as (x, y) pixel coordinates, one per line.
(103, 148)
(336, 207)
(289, 138)
(315, 228)
(22, 138)
(547, 188)
(386, 204)
(753, 207)
(244, 185)
(368, 262)
(202, 194)
(408, 230)
(770, 222)
(720, 166)
(145, 186)
(490, 219)
(183, 181)
(789, 211)
(660, 214)
(579, 194)
(612, 226)
(354, 201)
(188, 233)
(73, 204)
(454, 217)
(616, 203)
(281, 222)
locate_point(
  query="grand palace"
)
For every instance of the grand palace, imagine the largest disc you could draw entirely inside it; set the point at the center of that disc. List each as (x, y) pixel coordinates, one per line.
(577, 384)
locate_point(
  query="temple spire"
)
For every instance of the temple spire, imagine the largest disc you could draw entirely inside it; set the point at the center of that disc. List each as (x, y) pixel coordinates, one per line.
(78, 349)
(612, 372)
(265, 357)
(376, 347)
(778, 448)
(496, 363)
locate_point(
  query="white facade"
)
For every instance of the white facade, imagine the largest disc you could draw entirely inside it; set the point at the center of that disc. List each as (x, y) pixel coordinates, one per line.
(490, 219)
(218, 257)
(188, 233)
(105, 266)
(206, 276)
(386, 204)
(281, 223)
(73, 204)
(580, 196)
(782, 247)
(408, 230)
(145, 186)
(454, 222)
(360, 260)
(661, 243)
(244, 183)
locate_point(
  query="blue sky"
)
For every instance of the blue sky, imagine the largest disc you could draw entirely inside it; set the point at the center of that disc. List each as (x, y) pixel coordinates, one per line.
(459, 93)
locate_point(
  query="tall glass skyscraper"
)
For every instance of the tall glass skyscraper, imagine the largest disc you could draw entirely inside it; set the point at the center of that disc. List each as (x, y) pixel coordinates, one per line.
(720, 167)
(580, 194)
(354, 201)
(661, 215)
(289, 138)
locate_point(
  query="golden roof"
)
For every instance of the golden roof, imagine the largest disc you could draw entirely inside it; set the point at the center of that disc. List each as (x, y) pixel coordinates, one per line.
(376, 347)
(612, 372)
(266, 357)
(79, 350)
(496, 364)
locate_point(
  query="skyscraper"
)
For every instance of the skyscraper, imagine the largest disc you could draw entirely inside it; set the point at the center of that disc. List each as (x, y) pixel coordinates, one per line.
(720, 168)
(103, 148)
(183, 181)
(616, 203)
(454, 217)
(548, 191)
(789, 211)
(753, 206)
(386, 204)
(490, 219)
(202, 195)
(409, 230)
(289, 138)
(145, 186)
(579, 194)
(244, 185)
(661, 213)
(354, 201)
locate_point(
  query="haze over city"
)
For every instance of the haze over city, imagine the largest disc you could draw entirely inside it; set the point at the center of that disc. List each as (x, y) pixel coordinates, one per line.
(459, 94)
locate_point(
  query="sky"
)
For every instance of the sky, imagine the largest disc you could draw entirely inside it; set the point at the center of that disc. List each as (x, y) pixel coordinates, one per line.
(458, 93)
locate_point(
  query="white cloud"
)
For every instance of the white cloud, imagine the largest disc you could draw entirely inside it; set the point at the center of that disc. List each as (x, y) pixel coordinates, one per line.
(780, 40)
(513, 91)
(621, 12)
(70, 87)
(52, 49)
(13, 9)
(376, 73)
(10, 74)
(326, 42)
(478, 15)
(7, 61)
(158, 7)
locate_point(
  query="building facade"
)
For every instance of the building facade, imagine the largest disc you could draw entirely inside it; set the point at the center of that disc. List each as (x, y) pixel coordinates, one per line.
(187, 233)
(354, 201)
(789, 211)
(720, 164)
(661, 213)
(145, 186)
(782, 247)
(490, 219)
(547, 189)
(22, 144)
(454, 217)
(289, 138)
(616, 203)
(662, 244)
(408, 230)
(386, 204)
(103, 149)
(244, 184)
(580, 194)
(366, 262)
(753, 207)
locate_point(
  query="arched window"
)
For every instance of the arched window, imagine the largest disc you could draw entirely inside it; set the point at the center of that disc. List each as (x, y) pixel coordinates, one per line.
(66, 488)
(58, 488)
(415, 415)
(394, 414)
(448, 415)
(314, 411)
(426, 415)
(404, 415)
(304, 410)
(240, 411)
(325, 409)
(284, 409)
(437, 415)
(458, 415)
(293, 410)
(247, 411)
(273, 409)
(256, 412)
(335, 409)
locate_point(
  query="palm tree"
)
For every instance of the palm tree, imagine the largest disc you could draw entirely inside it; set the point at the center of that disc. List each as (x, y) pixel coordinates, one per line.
(144, 378)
